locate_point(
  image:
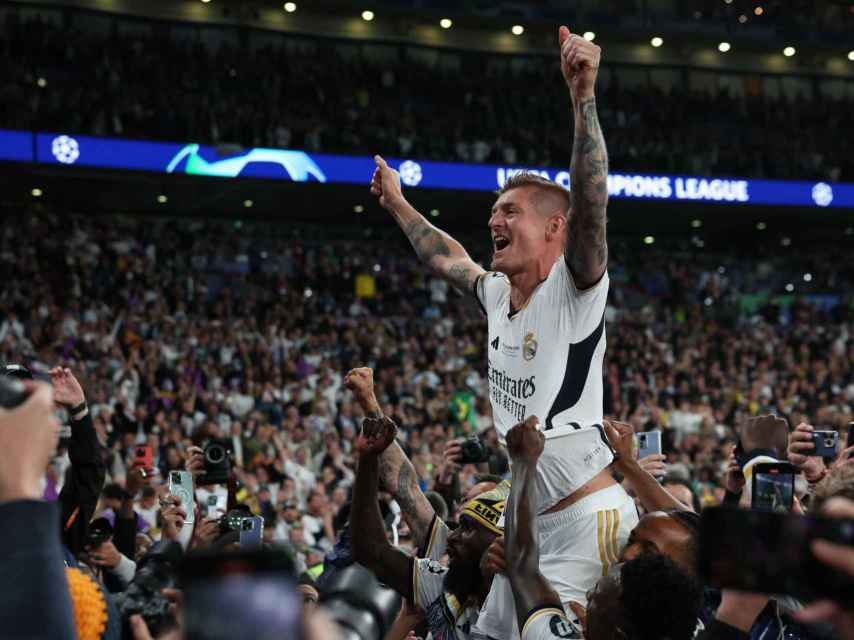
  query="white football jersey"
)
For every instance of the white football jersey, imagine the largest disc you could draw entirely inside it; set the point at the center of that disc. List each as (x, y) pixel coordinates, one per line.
(546, 360)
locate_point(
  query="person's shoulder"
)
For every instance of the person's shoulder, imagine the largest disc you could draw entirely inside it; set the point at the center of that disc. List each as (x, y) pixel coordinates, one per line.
(494, 279)
(561, 276)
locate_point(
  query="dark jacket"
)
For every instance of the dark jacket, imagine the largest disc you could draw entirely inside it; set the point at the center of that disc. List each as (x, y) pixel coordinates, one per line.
(83, 483)
(35, 602)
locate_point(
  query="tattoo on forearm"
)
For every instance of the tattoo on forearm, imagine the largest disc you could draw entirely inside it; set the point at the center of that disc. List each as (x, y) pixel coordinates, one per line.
(462, 276)
(405, 497)
(427, 241)
(588, 249)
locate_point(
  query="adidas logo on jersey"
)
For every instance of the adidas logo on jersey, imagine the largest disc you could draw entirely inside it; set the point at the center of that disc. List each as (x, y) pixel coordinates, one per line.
(494, 343)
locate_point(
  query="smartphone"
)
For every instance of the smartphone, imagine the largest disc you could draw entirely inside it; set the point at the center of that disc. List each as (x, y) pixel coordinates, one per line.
(773, 487)
(849, 442)
(216, 504)
(649, 443)
(181, 485)
(825, 443)
(143, 457)
(251, 533)
(254, 593)
(769, 552)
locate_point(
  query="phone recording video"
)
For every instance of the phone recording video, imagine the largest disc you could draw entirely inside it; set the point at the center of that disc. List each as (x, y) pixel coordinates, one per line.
(143, 457)
(251, 533)
(769, 552)
(826, 443)
(773, 487)
(649, 443)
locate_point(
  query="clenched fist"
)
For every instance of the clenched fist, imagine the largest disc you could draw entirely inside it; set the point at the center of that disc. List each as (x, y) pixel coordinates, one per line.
(579, 62)
(525, 442)
(376, 436)
(385, 183)
(361, 382)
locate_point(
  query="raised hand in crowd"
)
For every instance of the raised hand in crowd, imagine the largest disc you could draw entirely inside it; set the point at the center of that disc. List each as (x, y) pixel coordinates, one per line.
(105, 555)
(195, 462)
(206, 533)
(361, 382)
(800, 446)
(654, 464)
(651, 494)
(733, 479)
(66, 389)
(28, 438)
(815, 468)
(767, 432)
(376, 435)
(174, 518)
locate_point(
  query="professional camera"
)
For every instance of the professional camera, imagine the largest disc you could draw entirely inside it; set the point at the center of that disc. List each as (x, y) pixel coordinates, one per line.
(474, 451)
(362, 607)
(12, 391)
(155, 572)
(217, 463)
(100, 530)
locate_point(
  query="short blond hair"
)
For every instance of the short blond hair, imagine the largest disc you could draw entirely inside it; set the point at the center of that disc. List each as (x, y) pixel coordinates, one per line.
(544, 186)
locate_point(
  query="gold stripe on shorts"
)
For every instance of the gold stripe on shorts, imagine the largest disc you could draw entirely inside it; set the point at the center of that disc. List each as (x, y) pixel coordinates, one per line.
(614, 550)
(602, 536)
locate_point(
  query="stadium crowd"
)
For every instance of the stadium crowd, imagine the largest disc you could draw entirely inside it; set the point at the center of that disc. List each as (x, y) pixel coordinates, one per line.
(180, 331)
(258, 89)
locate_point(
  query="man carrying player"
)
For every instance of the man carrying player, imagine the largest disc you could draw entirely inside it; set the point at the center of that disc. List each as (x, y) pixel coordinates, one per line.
(545, 302)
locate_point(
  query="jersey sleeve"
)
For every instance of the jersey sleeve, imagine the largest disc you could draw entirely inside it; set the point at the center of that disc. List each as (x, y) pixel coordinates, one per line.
(488, 289)
(428, 582)
(549, 623)
(437, 540)
(586, 307)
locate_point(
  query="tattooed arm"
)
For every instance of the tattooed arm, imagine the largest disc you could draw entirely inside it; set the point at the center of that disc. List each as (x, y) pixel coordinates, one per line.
(396, 472)
(586, 246)
(444, 255)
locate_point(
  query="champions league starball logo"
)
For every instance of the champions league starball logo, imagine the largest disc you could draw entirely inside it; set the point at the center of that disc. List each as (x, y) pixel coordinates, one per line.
(410, 173)
(822, 194)
(65, 149)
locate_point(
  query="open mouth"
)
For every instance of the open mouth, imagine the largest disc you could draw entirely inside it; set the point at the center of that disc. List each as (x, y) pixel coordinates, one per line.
(500, 243)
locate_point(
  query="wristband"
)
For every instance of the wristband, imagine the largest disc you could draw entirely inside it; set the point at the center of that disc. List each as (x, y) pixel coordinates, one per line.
(73, 411)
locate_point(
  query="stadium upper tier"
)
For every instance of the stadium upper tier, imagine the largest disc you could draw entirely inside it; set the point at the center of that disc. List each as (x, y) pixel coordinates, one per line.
(106, 75)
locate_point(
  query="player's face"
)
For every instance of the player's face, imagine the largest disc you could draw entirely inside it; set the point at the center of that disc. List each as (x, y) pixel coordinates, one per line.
(518, 232)
(659, 533)
(468, 542)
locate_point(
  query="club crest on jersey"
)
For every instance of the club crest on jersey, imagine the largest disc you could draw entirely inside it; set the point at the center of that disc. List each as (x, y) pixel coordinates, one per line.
(529, 346)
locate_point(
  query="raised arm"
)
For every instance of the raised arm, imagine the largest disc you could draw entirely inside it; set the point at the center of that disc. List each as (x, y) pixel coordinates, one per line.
(652, 495)
(371, 548)
(444, 255)
(531, 590)
(586, 245)
(395, 470)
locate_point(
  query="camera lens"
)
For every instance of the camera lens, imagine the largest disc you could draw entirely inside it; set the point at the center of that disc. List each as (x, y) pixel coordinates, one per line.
(828, 442)
(176, 477)
(215, 453)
